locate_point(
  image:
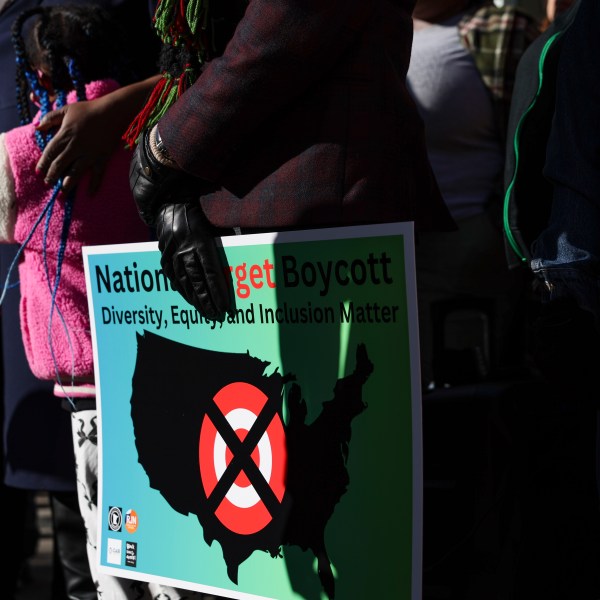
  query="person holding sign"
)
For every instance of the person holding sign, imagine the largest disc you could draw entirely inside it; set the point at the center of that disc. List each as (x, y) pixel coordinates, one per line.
(296, 116)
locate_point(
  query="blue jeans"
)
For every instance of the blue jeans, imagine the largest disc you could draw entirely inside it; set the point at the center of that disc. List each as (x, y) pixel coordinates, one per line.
(567, 253)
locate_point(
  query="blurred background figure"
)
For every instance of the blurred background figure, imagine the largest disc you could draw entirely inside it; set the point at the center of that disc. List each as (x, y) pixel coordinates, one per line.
(553, 218)
(461, 75)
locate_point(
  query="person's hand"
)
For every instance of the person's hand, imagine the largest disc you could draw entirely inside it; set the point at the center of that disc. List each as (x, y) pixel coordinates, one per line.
(154, 183)
(192, 261)
(88, 133)
(84, 142)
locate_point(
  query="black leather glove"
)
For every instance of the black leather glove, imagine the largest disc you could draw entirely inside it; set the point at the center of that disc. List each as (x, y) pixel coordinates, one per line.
(191, 260)
(154, 183)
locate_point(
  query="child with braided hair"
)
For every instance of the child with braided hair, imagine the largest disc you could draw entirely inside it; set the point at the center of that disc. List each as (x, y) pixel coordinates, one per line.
(66, 54)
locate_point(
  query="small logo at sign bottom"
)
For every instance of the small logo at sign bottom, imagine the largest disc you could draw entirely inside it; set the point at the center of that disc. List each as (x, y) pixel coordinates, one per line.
(130, 554)
(113, 551)
(115, 518)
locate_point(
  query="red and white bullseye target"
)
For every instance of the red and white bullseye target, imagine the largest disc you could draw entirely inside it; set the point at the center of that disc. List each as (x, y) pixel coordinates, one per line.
(242, 510)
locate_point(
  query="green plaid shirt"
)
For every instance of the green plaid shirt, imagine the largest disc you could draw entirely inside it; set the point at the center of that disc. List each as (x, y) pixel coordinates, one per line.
(497, 38)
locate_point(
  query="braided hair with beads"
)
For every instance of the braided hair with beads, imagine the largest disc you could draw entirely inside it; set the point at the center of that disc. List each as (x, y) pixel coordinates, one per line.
(71, 46)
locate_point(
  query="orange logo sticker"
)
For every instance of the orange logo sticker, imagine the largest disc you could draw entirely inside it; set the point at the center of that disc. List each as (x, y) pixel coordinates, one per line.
(131, 520)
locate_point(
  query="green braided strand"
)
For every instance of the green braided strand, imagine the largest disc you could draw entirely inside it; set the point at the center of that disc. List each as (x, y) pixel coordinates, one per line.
(164, 17)
(196, 14)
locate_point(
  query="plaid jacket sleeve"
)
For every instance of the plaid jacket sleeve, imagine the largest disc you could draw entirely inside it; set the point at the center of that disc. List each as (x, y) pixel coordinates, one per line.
(497, 37)
(278, 50)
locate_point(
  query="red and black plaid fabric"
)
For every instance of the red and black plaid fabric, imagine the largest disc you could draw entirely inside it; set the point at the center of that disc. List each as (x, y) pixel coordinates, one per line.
(305, 120)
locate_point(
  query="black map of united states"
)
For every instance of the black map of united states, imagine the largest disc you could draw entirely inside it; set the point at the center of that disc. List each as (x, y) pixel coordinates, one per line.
(173, 394)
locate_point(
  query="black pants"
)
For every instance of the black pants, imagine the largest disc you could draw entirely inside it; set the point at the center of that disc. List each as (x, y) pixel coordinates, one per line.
(72, 578)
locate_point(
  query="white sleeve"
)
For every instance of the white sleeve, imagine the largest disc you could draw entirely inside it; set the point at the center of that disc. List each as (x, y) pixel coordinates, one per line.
(8, 201)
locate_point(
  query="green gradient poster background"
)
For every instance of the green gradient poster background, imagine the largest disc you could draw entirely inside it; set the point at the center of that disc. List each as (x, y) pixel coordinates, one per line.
(305, 301)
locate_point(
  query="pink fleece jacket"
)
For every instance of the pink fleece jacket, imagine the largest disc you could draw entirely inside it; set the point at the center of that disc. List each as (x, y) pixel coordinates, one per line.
(108, 217)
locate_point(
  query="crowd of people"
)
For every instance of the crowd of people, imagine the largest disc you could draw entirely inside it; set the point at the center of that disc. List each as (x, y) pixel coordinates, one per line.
(182, 124)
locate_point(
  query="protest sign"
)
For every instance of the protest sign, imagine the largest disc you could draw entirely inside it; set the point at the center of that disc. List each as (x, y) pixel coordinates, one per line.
(276, 454)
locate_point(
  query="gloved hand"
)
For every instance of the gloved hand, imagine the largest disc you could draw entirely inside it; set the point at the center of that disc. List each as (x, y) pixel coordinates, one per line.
(191, 260)
(154, 183)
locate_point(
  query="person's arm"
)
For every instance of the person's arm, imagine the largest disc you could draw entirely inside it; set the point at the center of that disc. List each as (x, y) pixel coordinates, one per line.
(88, 133)
(8, 201)
(278, 51)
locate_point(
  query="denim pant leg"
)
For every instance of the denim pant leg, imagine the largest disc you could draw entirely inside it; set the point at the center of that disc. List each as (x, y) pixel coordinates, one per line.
(566, 256)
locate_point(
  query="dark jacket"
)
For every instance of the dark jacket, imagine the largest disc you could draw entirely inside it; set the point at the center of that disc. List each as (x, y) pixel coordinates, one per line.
(528, 195)
(305, 120)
